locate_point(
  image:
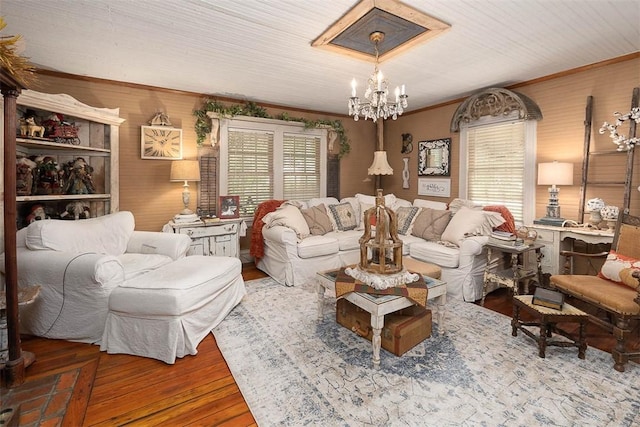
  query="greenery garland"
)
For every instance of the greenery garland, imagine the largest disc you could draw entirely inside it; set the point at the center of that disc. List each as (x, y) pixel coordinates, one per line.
(203, 122)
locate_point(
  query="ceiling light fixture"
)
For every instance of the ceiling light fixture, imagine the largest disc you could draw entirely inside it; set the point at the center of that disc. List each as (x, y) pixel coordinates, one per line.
(376, 105)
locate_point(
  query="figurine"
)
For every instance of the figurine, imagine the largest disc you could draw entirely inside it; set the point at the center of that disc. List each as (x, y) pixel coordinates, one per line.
(76, 211)
(79, 179)
(37, 214)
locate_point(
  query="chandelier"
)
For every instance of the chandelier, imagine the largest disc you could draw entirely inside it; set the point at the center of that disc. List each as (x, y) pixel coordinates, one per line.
(376, 105)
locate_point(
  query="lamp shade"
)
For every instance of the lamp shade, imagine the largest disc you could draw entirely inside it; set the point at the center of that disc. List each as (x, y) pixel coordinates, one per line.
(185, 170)
(555, 173)
(380, 165)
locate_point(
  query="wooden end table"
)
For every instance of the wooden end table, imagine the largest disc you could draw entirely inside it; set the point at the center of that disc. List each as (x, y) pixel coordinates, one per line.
(379, 305)
(512, 277)
(547, 320)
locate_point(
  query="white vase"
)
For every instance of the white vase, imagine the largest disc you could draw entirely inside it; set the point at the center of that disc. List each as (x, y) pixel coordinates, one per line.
(405, 173)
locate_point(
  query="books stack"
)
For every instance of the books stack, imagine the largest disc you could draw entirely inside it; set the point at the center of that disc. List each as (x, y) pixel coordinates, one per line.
(502, 238)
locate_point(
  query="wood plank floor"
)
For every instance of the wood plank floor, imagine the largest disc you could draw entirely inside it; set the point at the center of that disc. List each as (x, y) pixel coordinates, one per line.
(196, 390)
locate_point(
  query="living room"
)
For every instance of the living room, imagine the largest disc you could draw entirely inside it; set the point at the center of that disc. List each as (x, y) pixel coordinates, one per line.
(146, 190)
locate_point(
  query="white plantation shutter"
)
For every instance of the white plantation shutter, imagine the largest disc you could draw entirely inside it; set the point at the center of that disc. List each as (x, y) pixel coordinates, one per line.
(499, 159)
(250, 167)
(262, 159)
(301, 166)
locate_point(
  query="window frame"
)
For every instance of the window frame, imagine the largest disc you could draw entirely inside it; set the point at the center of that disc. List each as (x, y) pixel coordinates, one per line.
(278, 128)
(529, 183)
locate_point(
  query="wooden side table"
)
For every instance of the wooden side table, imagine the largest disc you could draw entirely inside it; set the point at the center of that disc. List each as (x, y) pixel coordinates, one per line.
(517, 273)
(547, 320)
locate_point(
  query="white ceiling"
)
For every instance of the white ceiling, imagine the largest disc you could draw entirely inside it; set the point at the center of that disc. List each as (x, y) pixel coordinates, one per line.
(260, 50)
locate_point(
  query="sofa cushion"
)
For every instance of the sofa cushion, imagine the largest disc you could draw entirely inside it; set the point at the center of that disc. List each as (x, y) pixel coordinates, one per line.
(618, 268)
(317, 220)
(108, 234)
(467, 221)
(431, 223)
(436, 253)
(288, 216)
(406, 217)
(342, 217)
(314, 246)
(407, 241)
(347, 240)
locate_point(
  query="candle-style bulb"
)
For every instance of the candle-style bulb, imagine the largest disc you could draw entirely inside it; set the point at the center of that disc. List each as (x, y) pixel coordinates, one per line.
(353, 88)
(397, 93)
(403, 92)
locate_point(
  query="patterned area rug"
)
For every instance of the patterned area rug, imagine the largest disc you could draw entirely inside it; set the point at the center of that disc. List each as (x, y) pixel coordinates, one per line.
(294, 370)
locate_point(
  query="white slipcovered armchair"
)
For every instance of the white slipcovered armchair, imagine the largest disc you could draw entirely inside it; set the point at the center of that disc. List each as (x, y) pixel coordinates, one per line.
(78, 264)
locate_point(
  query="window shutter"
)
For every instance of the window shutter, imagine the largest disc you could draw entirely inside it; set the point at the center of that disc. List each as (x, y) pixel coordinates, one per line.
(496, 166)
(250, 168)
(208, 185)
(301, 166)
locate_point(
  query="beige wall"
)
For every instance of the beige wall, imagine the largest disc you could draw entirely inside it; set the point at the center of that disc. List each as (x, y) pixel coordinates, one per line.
(562, 101)
(146, 191)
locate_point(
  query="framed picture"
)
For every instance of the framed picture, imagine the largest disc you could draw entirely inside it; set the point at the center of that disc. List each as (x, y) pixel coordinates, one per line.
(434, 157)
(229, 207)
(438, 187)
(161, 142)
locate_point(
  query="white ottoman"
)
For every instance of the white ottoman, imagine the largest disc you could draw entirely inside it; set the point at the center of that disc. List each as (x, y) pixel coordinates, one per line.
(165, 313)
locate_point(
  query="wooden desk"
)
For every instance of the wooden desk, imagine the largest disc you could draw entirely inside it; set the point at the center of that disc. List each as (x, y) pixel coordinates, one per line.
(557, 239)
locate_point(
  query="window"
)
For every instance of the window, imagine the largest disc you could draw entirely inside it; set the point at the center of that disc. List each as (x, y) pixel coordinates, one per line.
(262, 159)
(497, 163)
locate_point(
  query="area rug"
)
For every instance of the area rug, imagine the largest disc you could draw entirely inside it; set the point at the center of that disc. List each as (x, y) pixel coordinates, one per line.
(295, 370)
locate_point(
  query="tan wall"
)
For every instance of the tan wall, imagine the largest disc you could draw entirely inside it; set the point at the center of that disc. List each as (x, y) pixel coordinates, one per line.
(562, 101)
(145, 189)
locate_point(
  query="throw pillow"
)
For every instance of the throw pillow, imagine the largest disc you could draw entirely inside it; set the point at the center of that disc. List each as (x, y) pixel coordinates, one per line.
(470, 222)
(342, 217)
(317, 220)
(617, 268)
(288, 216)
(406, 217)
(430, 223)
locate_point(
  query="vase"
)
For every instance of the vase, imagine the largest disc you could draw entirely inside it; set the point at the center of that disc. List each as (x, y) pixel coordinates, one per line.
(405, 173)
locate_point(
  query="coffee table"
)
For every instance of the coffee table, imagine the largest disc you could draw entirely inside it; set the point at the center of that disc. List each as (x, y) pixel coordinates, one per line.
(379, 305)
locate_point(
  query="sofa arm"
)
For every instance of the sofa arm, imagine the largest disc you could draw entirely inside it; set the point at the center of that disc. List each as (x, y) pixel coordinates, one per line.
(280, 234)
(173, 245)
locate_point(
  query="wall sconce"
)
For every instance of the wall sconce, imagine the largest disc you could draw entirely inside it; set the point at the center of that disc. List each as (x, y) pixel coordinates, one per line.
(553, 174)
(185, 171)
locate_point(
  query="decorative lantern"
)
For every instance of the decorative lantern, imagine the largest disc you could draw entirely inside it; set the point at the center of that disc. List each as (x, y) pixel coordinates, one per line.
(380, 253)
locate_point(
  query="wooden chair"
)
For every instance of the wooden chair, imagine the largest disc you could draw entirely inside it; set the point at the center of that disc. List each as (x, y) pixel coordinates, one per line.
(620, 301)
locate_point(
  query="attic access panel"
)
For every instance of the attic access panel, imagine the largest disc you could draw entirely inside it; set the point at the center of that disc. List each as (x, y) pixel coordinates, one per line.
(403, 26)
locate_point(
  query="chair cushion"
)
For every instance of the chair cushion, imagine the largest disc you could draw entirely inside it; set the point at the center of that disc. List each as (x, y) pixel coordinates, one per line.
(612, 296)
(108, 234)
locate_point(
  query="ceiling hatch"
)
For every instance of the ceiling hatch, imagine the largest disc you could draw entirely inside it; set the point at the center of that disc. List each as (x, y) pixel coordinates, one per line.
(402, 25)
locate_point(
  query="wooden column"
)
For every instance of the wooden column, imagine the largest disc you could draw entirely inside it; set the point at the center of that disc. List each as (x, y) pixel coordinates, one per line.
(15, 366)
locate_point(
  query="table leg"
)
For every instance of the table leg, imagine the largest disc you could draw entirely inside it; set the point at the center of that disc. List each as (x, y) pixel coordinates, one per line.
(539, 256)
(542, 345)
(441, 302)
(320, 294)
(515, 322)
(514, 268)
(485, 282)
(377, 323)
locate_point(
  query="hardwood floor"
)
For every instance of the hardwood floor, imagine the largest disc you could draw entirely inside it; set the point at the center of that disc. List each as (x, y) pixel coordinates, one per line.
(196, 390)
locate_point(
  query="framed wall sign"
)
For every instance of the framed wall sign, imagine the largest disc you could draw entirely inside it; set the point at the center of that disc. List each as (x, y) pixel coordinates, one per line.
(434, 157)
(438, 187)
(161, 142)
(229, 207)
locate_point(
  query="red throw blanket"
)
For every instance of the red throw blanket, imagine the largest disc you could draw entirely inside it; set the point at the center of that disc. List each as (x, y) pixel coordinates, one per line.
(257, 243)
(510, 225)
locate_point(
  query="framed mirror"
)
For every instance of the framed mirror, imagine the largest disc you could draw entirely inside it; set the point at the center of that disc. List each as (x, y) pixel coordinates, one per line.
(434, 157)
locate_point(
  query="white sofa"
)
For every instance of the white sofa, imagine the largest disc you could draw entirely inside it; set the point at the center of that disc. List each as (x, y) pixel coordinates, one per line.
(293, 255)
(81, 265)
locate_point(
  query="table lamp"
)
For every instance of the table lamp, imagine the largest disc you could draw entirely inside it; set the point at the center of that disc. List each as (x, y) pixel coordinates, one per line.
(554, 173)
(185, 171)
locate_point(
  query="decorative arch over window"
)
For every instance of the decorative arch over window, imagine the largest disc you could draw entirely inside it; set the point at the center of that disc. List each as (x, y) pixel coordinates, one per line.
(494, 102)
